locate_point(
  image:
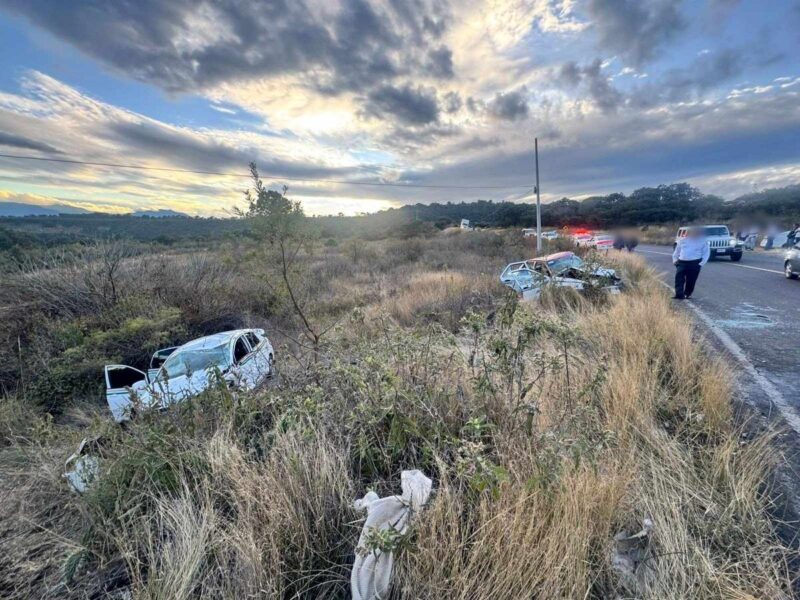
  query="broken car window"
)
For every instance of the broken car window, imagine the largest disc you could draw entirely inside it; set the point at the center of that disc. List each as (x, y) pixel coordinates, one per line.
(192, 361)
(240, 350)
(253, 339)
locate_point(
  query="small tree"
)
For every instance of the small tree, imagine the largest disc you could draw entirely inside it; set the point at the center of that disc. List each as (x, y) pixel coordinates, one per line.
(282, 224)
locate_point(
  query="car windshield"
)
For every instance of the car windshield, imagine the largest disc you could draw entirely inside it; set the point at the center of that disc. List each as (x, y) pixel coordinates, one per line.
(559, 265)
(192, 361)
(709, 231)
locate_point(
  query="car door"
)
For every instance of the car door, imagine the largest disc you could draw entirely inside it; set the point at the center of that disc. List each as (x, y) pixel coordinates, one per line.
(251, 367)
(122, 383)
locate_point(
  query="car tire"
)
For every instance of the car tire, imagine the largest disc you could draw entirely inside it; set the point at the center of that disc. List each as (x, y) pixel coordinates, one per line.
(736, 257)
(787, 271)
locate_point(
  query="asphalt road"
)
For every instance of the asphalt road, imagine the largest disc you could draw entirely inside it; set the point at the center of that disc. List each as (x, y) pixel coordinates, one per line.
(755, 305)
(748, 311)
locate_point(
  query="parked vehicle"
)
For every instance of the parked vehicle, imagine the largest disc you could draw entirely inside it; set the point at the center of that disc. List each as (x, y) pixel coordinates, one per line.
(719, 240)
(243, 358)
(601, 242)
(582, 239)
(546, 235)
(791, 264)
(563, 269)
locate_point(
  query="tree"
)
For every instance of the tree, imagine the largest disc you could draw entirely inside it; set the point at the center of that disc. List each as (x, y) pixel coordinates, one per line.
(282, 224)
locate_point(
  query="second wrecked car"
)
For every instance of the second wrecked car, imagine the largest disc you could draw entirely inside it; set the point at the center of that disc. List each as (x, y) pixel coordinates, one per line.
(243, 358)
(563, 269)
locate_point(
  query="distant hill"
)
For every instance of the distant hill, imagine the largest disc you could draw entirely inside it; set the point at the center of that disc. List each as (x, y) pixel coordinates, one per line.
(23, 209)
(157, 214)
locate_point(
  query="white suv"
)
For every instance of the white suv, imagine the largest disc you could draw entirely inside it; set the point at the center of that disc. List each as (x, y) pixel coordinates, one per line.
(719, 240)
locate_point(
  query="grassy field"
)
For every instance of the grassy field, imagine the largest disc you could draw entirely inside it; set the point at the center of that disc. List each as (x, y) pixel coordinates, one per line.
(548, 428)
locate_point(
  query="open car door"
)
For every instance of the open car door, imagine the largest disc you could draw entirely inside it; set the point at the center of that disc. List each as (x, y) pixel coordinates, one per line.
(158, 359)
(120, 380)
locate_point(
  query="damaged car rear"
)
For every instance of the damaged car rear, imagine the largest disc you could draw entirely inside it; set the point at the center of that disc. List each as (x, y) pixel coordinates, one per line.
(563, 269)
(243, 359)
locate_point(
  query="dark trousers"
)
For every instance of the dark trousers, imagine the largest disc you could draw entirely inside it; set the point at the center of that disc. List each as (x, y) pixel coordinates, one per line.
(686, 274)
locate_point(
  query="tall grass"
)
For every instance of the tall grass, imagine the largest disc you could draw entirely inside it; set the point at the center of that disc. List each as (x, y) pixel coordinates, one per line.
(549, 428)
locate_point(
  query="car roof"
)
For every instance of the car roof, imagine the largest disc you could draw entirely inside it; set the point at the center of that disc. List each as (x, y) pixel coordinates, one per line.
(555, 256)
(212, 341)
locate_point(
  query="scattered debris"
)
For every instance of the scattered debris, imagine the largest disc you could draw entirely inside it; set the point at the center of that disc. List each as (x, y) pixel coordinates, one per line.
(387, 521)
(81, 469)
(244, 358)
(629, 556)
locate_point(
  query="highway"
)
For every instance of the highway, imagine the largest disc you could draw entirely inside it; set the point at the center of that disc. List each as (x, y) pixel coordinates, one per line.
(749, 311)
(755, 305)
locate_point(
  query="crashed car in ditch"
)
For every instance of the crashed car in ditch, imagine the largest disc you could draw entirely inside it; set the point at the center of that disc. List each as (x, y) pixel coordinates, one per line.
(243, 358)
(563, 269)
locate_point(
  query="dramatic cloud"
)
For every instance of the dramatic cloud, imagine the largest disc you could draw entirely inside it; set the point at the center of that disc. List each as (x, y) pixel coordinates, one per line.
(409, 105)
(186, 45)
(595, 82)
(325, 94)
(509, 106)
(706, 72)
(18, 141)
(635, 29)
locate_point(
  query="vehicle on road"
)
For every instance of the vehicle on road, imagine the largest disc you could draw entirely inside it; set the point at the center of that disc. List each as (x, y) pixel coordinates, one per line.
(546, 235)
(243, 359)
(601, 242)
(791, 263)
(563, 269)
(719, 238)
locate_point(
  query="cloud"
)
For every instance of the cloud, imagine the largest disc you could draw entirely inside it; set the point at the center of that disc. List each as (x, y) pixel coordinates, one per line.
(18, 141)
(635, 30)
(407, 104)
(186, 45)
(509, 106)
(704, 73)
(452, 102)
(592, 79)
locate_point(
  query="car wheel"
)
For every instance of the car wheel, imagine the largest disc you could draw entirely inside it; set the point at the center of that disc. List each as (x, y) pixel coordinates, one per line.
(787, 270)
(736, 257)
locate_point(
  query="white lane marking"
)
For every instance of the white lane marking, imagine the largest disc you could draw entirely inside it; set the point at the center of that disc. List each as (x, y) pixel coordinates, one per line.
(732, 264)
(759, 269)
(788, 413)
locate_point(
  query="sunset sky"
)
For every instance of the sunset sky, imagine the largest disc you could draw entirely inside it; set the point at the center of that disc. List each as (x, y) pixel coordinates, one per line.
(621, 94)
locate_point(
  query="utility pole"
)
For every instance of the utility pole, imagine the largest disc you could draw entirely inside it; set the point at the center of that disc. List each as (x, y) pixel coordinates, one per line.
(538, 201)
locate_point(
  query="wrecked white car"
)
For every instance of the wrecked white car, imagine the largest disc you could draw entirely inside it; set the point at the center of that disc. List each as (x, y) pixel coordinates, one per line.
(243, 358)
(563, 269)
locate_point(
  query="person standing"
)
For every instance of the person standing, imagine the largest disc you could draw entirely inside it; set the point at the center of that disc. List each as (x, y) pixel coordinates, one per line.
(690, 254)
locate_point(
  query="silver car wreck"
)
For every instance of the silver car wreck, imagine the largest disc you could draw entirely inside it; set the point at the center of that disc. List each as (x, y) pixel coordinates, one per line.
(563, 269)
(243, 358)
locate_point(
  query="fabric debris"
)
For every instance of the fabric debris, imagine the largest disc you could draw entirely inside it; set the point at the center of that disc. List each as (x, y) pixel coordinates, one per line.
(81, 469)
(372, 569)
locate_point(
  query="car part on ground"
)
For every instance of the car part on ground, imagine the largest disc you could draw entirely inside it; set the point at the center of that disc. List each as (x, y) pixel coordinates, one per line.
(720, 240)
(387, 521)
(243, 359)
(81, 469)
(629, 558)
(563, 269)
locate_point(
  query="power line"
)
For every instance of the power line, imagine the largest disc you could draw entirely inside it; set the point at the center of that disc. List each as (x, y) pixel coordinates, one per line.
(264, 175)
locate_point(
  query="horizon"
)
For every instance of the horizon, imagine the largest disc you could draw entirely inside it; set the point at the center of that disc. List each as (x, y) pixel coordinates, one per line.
(619, 94)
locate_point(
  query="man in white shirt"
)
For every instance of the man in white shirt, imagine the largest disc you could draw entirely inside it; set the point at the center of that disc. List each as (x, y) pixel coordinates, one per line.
(691, 253)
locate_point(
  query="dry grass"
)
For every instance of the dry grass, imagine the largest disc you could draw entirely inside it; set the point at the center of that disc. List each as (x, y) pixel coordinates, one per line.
(548, 429)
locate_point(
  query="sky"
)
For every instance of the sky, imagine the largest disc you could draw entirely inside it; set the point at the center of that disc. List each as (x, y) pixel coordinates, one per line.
(440, 99)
